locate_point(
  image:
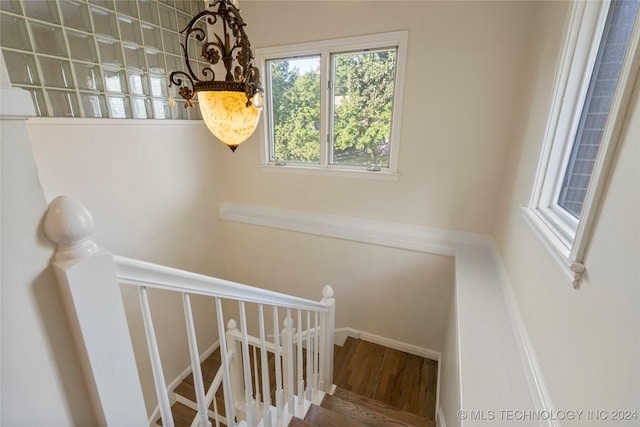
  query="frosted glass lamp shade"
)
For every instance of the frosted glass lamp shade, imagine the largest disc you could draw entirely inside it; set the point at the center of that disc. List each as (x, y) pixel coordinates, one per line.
(227, 116)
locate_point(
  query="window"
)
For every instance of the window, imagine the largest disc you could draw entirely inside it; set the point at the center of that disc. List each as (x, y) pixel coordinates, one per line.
(593, 87)
(334, 105)
(96, 58)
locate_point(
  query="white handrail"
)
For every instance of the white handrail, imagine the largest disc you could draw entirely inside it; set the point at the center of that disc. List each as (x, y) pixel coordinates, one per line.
(92, 277)
(140, 273)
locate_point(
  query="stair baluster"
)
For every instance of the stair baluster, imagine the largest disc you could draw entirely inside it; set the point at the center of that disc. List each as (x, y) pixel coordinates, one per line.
(288, 361)
(196, 371)
(300, 365)
(309, 375)
(256, 375)
(266, 386)
(250, 404)
(228, 363)
(315, 356)
(156, 364)
(278, 362)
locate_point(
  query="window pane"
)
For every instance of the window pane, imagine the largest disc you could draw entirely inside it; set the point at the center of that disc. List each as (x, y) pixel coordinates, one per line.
(362, 98)
(609, 60)
(295, 97)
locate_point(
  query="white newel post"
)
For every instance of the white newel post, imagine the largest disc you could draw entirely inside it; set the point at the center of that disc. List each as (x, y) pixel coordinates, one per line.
(288, 361)
(91, 294)
(327, 326)
(235, 368)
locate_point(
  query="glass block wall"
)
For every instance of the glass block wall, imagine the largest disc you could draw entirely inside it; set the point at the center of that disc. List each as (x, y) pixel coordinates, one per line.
(97, 58)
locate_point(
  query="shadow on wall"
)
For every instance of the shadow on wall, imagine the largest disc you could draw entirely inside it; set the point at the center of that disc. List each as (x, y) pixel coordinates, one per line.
(46, 293)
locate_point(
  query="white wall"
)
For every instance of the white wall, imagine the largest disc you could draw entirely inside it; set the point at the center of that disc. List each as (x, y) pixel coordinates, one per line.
(587, 340)
(394, 293)
(41, 383)
(463, 74)
(462, 79)
(153, 189)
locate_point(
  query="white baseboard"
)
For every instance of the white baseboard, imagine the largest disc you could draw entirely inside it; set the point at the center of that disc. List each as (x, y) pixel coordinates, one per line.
(341, 335)
(440, 419)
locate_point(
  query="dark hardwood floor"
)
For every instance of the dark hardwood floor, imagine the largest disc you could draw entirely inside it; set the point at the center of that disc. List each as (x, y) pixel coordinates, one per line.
(376, 386)
(399, 379)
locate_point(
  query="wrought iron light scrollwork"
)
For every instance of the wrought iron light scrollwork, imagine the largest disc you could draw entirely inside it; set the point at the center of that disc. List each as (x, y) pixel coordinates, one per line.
(231, 106)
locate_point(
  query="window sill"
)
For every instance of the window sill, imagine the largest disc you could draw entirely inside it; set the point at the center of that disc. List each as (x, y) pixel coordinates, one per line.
(554, 244)
(70, 121)
(346, 173)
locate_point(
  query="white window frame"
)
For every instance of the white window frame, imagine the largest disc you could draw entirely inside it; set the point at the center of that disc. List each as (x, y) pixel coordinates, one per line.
(565, 236)
(324, 49)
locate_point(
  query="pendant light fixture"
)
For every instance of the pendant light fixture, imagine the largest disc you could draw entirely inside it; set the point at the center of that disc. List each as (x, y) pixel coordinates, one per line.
(216, 45)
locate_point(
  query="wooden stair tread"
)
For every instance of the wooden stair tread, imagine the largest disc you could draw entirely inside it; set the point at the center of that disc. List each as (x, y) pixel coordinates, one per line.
(383, 408)
(322, 417)
(359, 413)
(182, 415)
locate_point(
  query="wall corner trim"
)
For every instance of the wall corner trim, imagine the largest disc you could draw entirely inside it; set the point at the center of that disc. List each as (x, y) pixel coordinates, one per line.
(402, 236)
(537, 384)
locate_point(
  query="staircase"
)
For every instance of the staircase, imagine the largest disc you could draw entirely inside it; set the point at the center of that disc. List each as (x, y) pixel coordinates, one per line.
(406, 385)
(274, 364)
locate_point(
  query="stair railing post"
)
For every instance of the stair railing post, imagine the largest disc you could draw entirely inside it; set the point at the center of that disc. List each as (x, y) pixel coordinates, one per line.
(327, 326)
(288, 361)
(91, 293)
(235, 367)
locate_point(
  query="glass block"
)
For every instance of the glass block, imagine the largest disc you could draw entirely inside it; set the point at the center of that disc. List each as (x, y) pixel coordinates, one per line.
(93, 105)
(63, 103)
(175, 63)
(104, 3)
(168, 17)
(138, 84)
(43, 10)
(48, 39)
(22, 67)
(159, 86)
(141, 108)
(75, 15)
(155, 61)
(119, 107)
(39, 102)
(184, 6)
(183, 20)
(149, 11)
(88, 76)
(130, 30)
(152, 36)
(110, 52)
(161, 109)
(105, 22)
(179, 112)
(13, 33)
(82, 46)
(134, 57)
(12, 6)
(56, 72)
(194, 113)
(171, 42)
(127, 7)
(115, 80)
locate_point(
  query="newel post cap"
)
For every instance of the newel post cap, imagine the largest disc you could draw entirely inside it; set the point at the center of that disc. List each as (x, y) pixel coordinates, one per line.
(70, 225)
(327, 294)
